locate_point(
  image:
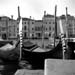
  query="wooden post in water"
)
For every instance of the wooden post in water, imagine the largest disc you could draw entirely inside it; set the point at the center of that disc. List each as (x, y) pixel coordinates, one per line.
(55, 33)
(20, 32)
(62, 38)
(66, 23)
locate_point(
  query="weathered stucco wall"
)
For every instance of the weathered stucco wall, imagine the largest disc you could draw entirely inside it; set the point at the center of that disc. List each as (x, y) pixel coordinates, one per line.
(59, 67)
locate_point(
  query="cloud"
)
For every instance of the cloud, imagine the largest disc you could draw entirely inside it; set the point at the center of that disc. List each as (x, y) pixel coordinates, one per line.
(36, 5)
(35, 8)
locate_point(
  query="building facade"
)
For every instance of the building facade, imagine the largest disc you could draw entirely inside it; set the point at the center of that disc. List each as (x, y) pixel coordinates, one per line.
(12, 28)
(46, 26)
(49, 24)
(8, 28)
(28, 27)
(68, 24)
(39, 28)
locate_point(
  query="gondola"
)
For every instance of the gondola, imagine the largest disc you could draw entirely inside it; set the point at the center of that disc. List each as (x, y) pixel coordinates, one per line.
(9, 58)
(36, 59)
(11, 54)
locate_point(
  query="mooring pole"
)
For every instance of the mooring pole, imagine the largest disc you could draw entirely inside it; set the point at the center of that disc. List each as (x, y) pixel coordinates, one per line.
(55, 33)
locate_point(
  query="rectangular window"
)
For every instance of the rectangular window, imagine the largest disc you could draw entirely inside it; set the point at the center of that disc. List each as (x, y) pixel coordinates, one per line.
(53, 28)
(17, 28)
(53, 22)
(9, 34)
(50, 28)
(32, 28)
(3, 28)
(46, 28)
(32, 22)
(25, 22)
(49, 22)
(37, 28)
(46, 22)
(25, 27)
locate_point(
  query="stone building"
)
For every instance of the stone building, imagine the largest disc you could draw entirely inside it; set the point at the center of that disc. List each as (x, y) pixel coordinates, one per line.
(8, 28)
(38, 29)
(3, 26)
(49, 24)
(12, 29)
(68, 25)
(28, 27)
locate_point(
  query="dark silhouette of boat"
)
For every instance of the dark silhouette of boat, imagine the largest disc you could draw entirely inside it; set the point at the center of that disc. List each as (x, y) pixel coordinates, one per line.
(36, 59)
(71, 50)
(11, 54)
(8, 59)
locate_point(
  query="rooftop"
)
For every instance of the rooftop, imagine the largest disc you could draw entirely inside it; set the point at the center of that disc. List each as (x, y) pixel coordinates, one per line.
(64, 17)
(48, 15)
(38, 20)
(27, 19)
(6, 18)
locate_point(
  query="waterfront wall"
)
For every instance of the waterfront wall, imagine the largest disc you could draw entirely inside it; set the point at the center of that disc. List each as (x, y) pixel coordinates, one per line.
(59, 67)
(29, 72)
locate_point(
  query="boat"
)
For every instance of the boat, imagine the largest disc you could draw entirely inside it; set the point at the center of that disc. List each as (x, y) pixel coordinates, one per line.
(9, 51)
(71, 49)
(36, 59)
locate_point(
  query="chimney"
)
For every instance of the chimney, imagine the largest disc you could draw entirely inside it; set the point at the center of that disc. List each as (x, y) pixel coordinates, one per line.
(11, 16)
(44, 12)
(30, 17)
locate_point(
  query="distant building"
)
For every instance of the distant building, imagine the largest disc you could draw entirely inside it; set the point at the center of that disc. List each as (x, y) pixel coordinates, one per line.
(4, 27)
(28, 27)
(13, 28)
(49, 24)
(68, 25)
(71, 26)
(8, 28)
(38, 28)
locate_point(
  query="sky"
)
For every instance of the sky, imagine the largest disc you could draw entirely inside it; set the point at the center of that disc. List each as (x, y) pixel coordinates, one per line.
(35, 8)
